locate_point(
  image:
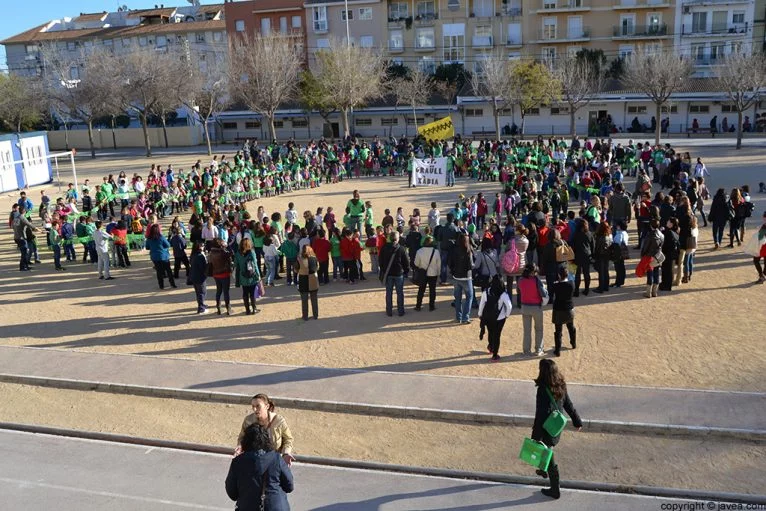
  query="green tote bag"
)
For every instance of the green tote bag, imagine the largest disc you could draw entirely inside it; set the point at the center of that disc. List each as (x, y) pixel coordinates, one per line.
(536, 454)
(556, 421)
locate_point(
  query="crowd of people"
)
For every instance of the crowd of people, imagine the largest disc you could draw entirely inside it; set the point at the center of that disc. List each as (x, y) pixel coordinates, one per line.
(553, 213)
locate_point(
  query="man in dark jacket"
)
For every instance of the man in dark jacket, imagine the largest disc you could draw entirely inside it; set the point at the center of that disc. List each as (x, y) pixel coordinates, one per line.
(447, 237)
(619, 206)
(394, 265)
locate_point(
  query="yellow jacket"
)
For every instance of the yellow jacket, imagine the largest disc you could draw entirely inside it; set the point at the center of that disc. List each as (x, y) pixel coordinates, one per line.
(279, 431)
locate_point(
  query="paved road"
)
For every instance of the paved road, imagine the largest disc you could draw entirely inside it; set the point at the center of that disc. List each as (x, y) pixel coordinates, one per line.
(48, 472)
(731, 410)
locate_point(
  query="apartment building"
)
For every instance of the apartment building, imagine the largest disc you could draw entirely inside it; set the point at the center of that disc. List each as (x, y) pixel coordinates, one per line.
(198, 30)
(364, 20)
(265, 17)
(708, 30)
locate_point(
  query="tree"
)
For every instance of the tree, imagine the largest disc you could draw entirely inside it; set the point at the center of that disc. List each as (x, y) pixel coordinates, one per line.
(593, 58)
(145, 76)
(742, 77)
(164, 108)
(534, 85)
(658, 75)
(20, 101)
(493, 83)
(412, 90)
(580, 80)
(351, 75)
(449, 80)
(80, 86)
(315, 98)
(206, 93)
(264, 73)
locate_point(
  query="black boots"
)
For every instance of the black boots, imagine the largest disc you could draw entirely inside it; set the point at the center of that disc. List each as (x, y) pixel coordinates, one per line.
(553, 492)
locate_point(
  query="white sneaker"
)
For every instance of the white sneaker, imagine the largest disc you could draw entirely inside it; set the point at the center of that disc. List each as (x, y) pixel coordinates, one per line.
(203, 311)
(540, 353)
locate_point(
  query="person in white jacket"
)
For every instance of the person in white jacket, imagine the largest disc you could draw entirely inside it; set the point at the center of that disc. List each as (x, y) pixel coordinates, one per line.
(494, 307)
(101, 239)
(429, 259)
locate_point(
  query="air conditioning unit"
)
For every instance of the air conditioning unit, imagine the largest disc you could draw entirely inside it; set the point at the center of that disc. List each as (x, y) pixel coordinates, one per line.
(687, 9)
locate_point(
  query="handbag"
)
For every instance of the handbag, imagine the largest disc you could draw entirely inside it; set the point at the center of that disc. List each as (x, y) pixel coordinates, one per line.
(556, 421)
(657, 260)
(421, 274)
(260, 290)
(564, 253)
(691, 243)
(536, 454)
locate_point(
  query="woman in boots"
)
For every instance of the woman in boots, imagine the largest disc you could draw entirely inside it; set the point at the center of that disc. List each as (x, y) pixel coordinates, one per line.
(219, 262)
(308, 281)
(494, 308)
(563, 310)
(670, 248)
(247, 274)
(651, 245)
(550, 379)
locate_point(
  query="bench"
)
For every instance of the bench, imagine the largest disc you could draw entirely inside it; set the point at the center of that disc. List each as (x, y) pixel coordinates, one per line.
(690, 131)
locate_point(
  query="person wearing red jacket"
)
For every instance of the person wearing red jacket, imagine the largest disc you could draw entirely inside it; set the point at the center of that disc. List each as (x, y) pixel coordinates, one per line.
(481, 211)
(322, 247)
(348, 256)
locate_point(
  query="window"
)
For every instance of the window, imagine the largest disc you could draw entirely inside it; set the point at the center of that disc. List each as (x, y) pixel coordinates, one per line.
(366, 41)
(549, 4)
(514, 34)
(653, 22)
(217, 37)
(427, 65)
(346, 13)
(738, 18)
(573, 50)
(72, 45)
(323, 43)
(627, 24)
(319, 15)
(425, 9)
(626, 50)
(162, 41)
(728, 109)
(505, 112)
(74, 73)
(482, 36)
(363, 122)
(386, 121)
(478, 64)
(252, 125)
(673, 109)
(283, 24)
(365, 13)
(126, 43)
(32, 49)
(699, 109)
(279, 124)
(636, 109)
(109, 43)
(533, 111)
(396, 40)
(698, 52)
(720, 22)
(575, 29)
(699, 22)
(239, 25)
(549, 28)
(398, 10)
(142, 41)
(736, 46)
(559, 110)
(411, 121)
(717, 51)
(230, 125)
(483, 8)
(265, 26)
(474, 112)
(549, 54)
(453, 42)
(453, 5)
(296, 22)
(300, 123)
(424, 38)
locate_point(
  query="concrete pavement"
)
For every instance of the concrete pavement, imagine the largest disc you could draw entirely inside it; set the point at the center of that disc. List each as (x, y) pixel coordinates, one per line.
(49, 472)
(402, 394)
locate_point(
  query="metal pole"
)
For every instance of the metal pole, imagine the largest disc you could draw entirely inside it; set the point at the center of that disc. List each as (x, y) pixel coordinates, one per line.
(74, 170)
(58, 176)
(348, 32)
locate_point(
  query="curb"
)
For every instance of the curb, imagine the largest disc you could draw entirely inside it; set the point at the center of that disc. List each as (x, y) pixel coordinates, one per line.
(650, 491)
(396, 412)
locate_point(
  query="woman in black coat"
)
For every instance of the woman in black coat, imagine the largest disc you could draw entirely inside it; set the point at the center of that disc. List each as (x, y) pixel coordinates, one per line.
(259, 471)
(550, 379)
(670, 248)
(563, 310)
(718, 216)
(583, 247)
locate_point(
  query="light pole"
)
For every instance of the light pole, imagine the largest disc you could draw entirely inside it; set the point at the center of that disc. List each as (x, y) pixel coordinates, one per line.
(348, 31)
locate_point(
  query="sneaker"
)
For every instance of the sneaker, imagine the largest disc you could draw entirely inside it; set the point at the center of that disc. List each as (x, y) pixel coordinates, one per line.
(203, 311)
(112, 278)
(539, 353)
(229, 311)
(495, 358)
(549, 492)
(100, 277)
(466, 322)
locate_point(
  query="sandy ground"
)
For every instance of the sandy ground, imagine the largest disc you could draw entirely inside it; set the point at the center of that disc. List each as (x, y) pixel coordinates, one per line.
(657, 461)
(702, 335)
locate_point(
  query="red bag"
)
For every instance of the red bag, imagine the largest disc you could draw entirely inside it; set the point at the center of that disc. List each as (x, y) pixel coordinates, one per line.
(643, 266)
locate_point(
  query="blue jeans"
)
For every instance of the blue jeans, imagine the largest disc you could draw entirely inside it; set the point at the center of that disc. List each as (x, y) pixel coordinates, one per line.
(689, 263)
(23, 249)
(450, 178)
(718, 228)
(57, 256)
(653, 276)
(271, 269)
(463, 307)
(399, 283)
(443, 274)
(337, 266)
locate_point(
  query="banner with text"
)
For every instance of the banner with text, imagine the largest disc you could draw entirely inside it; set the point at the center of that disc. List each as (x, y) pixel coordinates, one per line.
(429, 172)
(438, 130)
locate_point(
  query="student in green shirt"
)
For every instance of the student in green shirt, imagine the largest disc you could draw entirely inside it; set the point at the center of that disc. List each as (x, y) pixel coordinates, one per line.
(54, 240)
(337, 262)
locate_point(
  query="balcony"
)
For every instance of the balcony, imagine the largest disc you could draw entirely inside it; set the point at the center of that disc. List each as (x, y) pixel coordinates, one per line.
(640, 31)
(481, 41)
(713, 2)
(715, 30)
(395, 46)
(396, 22)
(549, 6)
(640, 4)
(511, 11)
(424, 46)
(426, 20)
(548, 36)
(707, 61)
(320, 27)
(513, 42)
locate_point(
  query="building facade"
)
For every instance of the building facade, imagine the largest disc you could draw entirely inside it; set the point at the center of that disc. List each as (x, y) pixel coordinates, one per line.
(264, 17)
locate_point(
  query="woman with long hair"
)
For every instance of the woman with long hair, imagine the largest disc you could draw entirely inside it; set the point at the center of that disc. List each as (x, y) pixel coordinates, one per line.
(521, 243)
(308, 281)
(670, 248)
(563, 310)
(602, 242)
(494, 308)
(158, 247)
(219, 260)
(551, 395)
(691, 249)
(651, 246)
(719, 215)
(583, 247)
(247, 274)
(735, 201)
(531, 295)
(198, 275)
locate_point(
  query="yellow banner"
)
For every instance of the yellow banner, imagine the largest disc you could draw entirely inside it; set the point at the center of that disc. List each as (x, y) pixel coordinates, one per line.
(438, 130)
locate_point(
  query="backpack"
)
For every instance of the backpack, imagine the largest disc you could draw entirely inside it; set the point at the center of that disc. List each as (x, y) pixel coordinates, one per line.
(249, 271)
(510, 262)
(491, 308)
(745, 210)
